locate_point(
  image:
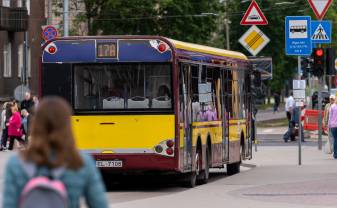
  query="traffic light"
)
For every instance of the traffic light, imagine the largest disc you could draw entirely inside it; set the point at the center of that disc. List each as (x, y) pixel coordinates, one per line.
(305, 66)
(330, 61)
(318, 68)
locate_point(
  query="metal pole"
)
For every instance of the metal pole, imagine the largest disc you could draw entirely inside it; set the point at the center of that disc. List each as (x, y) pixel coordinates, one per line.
(227, 26)
(320, 81)
(50, 12)
(310, 87)
(66, 17)
(25, 64)
(299, 119)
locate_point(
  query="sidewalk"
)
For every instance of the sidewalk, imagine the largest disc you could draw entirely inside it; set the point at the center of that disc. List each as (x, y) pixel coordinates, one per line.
(268, 114)
(278, 178)
(276, 182)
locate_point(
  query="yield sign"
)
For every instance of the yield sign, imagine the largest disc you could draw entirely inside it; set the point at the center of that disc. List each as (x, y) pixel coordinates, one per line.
(254, 16)
(320, 7)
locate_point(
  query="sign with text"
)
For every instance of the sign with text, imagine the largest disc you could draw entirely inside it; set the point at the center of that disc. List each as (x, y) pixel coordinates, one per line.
(299, 84)
(298, 38)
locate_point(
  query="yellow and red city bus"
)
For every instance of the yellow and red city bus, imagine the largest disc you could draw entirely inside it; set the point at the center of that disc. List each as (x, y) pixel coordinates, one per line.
(149, 103)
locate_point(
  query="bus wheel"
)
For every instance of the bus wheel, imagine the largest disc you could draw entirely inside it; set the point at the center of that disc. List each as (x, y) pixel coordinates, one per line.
(204, 175)
(190, 179)
(233, 168)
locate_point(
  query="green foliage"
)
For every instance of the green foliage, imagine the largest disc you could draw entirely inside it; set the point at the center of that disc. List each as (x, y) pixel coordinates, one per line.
(178, 19)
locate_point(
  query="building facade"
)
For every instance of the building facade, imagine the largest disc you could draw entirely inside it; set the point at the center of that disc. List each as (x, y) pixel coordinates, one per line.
(17, 19)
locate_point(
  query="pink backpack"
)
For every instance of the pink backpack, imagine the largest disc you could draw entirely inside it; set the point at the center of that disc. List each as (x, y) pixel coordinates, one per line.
(42, 191)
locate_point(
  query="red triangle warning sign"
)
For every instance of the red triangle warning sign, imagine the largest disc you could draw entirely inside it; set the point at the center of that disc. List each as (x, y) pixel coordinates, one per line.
(320, 7)
(254, 16)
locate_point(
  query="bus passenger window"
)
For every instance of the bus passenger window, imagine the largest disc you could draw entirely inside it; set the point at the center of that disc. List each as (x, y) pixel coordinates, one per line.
(122, 86)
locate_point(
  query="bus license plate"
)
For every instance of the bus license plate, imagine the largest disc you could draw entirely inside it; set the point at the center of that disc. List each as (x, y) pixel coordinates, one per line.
(109, 164)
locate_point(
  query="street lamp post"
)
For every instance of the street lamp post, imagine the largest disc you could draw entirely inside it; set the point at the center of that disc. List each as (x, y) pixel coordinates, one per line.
(66, 18)
(227, 26)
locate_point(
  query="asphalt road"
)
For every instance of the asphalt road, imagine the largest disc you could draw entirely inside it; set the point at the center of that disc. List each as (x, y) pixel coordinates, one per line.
(271, 179)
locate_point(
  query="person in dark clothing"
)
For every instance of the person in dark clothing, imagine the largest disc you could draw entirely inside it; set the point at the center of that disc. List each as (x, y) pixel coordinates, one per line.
(25, 121)
(276, 101)
(8, 115)
(27, 103)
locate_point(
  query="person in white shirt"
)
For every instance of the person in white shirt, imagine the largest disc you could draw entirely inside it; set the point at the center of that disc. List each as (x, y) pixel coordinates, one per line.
(290, 104)
(289, 107)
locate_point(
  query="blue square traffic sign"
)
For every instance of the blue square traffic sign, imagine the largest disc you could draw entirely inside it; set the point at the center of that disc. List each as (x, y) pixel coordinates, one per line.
(298, 39)
(321, 31)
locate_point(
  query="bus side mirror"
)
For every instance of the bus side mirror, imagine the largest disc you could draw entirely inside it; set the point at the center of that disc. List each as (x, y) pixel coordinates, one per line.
(257, 79)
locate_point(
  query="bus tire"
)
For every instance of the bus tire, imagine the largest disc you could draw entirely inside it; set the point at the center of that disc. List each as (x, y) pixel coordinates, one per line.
(233, 168)
(204, 175)
(190, 180)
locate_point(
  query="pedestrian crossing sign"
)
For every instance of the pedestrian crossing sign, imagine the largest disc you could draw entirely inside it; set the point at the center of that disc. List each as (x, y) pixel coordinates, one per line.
(254, 40)
(321, 31)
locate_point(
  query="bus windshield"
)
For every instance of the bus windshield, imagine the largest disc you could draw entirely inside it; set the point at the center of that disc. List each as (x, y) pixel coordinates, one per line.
(119, 86)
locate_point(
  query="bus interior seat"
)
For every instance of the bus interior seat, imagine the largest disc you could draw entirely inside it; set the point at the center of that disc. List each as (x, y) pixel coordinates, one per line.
(161, 103)
(113, 103)
(138, 103)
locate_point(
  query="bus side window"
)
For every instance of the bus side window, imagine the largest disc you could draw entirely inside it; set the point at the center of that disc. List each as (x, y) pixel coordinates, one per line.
(229, 102)
(196, 107)
(217, 94)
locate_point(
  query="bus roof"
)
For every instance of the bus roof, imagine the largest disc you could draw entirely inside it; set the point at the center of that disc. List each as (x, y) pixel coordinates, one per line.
(180, 46)
(207, 50)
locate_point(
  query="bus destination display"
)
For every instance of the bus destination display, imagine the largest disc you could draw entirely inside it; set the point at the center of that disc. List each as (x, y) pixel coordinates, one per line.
(106, 50)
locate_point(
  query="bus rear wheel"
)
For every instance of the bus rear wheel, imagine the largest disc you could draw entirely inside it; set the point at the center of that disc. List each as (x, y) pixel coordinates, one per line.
(190, 180)
(204, 175)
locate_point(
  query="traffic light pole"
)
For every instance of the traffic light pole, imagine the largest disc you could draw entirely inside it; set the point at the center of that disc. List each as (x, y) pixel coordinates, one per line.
(299, 119)
(320, 81)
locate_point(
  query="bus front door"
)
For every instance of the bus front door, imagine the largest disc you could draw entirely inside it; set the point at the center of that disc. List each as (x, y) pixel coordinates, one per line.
(185, 80)
(225, 118)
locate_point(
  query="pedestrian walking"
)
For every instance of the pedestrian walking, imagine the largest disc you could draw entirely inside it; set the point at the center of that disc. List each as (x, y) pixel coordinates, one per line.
(53, 157)
(328, 148)
(14, 127)
(8, 114)
(332, 123)
(289, 107)
(276, 101)
(2, 122)
(25, 122)
(295, 119)
(27, 103)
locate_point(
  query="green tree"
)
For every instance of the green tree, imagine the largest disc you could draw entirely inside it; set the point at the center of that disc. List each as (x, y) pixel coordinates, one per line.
(193, 21)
